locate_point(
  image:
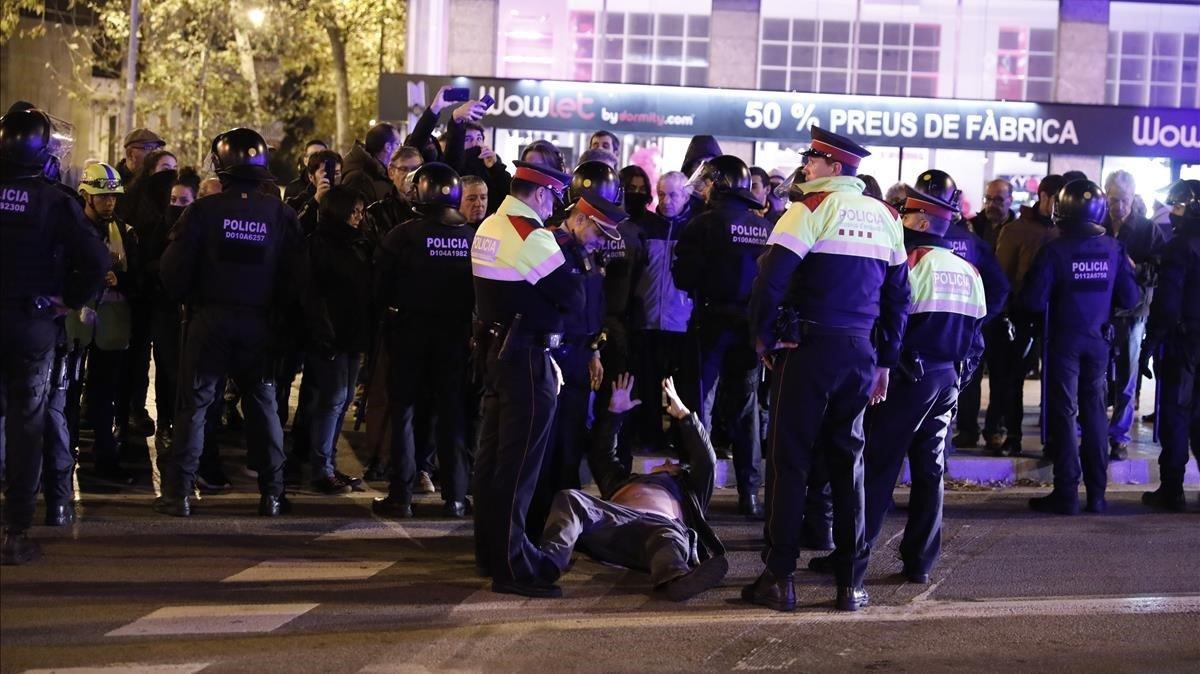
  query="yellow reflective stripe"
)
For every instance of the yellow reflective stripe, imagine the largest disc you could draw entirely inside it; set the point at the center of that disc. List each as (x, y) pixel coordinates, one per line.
(499, 253)
(797, 230)
(842, 224)
(540, 255)
(943, 282)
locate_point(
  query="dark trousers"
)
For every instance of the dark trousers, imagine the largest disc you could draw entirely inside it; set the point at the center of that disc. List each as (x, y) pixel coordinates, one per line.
(428, 361)
(137, 363)
(614, 534)
(222, 340)
(105, 370)
(1178, 409)
(332, 381)
(287, 367)
(912, 423)
(568, 435)
(1076, 424)
(1006, 410)
(27, 356)
(58, 452)
(970, 398)
(819, 394)
(659, 354)
(727, 360)
(616, 357)
(165, 332)
(518, 411)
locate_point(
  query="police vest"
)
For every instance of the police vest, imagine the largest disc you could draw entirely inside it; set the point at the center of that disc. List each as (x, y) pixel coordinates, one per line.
(944, 282)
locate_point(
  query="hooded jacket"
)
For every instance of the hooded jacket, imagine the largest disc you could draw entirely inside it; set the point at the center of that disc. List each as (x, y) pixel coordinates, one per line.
(701, 146)
(664, 306)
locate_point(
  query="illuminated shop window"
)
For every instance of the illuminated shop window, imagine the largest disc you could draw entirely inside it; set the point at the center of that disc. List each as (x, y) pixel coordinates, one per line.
(641, 47)
(1025, 64)
(1153, 68)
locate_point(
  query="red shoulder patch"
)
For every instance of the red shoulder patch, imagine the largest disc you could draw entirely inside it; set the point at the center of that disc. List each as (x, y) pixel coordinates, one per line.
(813, 199)
(524, 226)
(915, 256)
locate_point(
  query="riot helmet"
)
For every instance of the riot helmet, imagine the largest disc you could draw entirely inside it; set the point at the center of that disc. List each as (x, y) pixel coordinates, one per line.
(25, 142)
(241, 153)
(939, 184)
(598, 178)
(438, 193)
(1080, 201)
(1187, 193)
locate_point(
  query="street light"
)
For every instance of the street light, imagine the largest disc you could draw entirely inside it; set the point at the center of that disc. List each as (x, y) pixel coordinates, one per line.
(257, 16)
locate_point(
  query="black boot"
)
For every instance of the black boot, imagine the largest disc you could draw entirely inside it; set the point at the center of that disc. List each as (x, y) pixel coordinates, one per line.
(749, 507)
(534, 590)
(1096, 503)
(1057, 502)
(60, 515)
(456, 509)
(1165, 498)
(705, 576)
(390, 507)
(17, 548)
(852, 598)
(772, 592)
(175, 507)
(274, 506)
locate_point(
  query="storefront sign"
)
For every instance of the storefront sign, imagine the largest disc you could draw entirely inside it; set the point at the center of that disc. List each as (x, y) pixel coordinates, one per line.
(780, 116)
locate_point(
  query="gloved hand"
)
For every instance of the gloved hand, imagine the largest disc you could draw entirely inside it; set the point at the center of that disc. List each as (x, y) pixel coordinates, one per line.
(1149, 349)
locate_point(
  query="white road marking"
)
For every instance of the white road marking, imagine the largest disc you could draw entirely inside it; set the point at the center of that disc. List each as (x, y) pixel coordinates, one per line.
(214, 619)
(288, 570)
(126, 668)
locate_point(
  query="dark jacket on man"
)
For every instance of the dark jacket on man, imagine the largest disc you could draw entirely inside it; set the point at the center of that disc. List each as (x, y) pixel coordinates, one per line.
(984, 229)
(694, 482)
(366, 175)
(1144, 242)
(1019, 244)
(340, 265)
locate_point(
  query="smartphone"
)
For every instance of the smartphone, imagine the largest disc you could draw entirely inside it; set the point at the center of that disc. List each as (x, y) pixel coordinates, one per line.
(456, 94)
(487, 101)
(330, 170)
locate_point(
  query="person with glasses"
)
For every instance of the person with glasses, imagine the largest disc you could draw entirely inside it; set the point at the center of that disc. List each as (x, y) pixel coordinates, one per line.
(138, 143)
(996, 213)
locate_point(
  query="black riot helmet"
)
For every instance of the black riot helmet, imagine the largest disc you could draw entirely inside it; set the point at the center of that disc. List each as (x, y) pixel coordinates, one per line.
(1080, 202)
(727, 173)
(438, 193)
(241, 153)
(595, 177)
(25, 141)
(1185, 192)
(940, 185)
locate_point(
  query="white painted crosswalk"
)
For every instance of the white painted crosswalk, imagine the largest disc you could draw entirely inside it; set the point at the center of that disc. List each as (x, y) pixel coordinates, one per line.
(299, 570)
(214, 619)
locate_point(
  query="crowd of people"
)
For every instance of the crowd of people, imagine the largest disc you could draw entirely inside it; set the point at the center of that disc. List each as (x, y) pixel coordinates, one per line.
(496, 327)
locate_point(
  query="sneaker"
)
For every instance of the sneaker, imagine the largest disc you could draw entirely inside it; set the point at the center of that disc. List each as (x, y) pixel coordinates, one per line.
(330, 485)
(355, 483)
(426, 484)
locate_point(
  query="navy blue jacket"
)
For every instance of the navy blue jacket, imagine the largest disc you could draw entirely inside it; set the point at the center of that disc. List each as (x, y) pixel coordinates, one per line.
(716, 258)
(1079, 278)
(970, 247)
(584, 315)
(1177, 300)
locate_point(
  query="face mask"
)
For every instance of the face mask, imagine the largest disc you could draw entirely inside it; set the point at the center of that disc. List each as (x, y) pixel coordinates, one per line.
(636, 201)
(1181, 221)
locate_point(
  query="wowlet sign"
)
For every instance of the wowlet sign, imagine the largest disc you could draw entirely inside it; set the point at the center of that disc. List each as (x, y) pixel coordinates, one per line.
(551, 105)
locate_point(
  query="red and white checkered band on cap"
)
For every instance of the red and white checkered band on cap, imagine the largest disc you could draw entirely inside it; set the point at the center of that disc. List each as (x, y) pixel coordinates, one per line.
(538, 178)
(836, 153)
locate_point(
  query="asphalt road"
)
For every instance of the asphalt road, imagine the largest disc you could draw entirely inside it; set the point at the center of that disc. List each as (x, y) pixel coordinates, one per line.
(332, 588)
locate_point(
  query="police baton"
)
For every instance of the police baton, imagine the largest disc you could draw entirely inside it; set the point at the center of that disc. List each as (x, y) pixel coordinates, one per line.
(1158, 351)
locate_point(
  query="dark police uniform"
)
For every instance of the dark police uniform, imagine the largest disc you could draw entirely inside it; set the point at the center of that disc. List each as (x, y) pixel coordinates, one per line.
(836, 260)
(623, 262)
(232, 257)
(424, 283)
(49, 256)
(1174, 331)
(522, 286)
(716, 261)
(946, 312)
(1076, 280)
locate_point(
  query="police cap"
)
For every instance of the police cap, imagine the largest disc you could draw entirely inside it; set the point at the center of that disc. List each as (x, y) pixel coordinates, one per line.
(551, 179)
(607, 214)
(833, 147)
(241, 153)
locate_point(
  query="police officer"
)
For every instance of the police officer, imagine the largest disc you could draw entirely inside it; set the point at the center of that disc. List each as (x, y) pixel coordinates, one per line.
(522, 288)
(1173, 335)
(970, 247)
(232, 258)
(590, 222)
(942, 346)
(423, 283)
(836, 262)
(715, 262)
(50, 260)
(1075, 280)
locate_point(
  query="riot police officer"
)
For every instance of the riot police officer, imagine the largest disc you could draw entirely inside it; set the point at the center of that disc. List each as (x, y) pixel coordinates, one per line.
(231, 259)
(715, 262)
(50, 260)
(522, 287)
(423, 284)
(1173, 334)
(1075, 280)
(836, 262)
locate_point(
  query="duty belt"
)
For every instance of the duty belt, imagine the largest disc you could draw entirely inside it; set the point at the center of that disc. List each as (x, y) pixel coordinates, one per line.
(540, 340)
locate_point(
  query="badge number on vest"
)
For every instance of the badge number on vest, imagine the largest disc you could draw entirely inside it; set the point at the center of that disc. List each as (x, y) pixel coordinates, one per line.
(13, 200)
(1090, 273)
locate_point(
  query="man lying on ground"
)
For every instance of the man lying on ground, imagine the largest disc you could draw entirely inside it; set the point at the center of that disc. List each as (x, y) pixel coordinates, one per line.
(652, 522)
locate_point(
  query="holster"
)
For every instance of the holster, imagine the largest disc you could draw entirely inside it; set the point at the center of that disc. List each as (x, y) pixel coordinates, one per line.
(911, 366)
